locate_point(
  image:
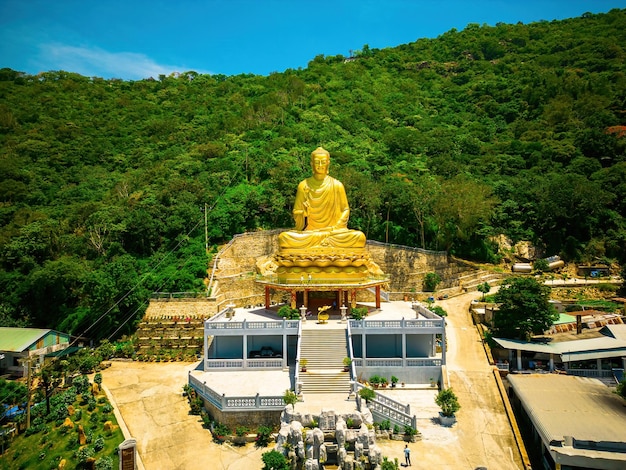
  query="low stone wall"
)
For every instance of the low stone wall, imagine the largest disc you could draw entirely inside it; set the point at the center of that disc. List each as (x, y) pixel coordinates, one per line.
(180, 309)
(249, 418)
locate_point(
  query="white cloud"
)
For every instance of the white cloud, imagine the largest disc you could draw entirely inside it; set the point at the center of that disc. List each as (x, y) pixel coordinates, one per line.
(95, 62)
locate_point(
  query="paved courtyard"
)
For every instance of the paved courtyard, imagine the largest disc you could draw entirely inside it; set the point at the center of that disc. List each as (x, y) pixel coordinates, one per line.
(149, 401)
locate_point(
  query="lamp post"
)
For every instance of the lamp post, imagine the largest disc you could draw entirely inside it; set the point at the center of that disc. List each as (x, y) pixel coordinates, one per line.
(303, 313)
(343, 309)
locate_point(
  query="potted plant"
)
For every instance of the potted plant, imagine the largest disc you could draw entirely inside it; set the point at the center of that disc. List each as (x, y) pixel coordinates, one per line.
(394, 381)
(432, 382)
(347, 362)
(375, 380)
(449, 404)
(384, 382)
(241, 432)
(303, 363)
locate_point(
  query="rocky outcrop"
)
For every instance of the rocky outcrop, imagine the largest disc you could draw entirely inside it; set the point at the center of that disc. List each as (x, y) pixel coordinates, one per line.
(329, 441)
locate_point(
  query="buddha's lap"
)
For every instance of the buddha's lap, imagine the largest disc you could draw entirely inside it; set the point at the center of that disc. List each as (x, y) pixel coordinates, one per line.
(307, 239)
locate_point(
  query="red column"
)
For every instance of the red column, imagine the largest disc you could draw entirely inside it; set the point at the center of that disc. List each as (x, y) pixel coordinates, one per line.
(377, 296)
(293, 298)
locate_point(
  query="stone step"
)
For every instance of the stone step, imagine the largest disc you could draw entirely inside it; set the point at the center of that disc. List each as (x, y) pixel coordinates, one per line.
(324, 351)
(319, 357)
(325, 382)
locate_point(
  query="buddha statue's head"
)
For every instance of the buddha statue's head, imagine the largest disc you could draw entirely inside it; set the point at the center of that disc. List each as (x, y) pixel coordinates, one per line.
(320, 161)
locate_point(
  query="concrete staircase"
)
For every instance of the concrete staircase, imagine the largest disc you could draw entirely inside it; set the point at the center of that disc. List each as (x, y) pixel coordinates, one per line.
(470, 281)
(324, 349)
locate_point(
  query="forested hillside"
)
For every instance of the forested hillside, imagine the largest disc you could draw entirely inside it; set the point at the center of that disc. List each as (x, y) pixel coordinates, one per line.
(512, 129)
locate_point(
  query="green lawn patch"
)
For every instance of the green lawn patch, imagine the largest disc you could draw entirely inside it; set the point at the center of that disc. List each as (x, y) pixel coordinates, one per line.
(55, 436)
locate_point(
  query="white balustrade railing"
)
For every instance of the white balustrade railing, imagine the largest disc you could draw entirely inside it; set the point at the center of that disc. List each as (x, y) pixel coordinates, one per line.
(394, 411)
(223, 363)
(252, 325)
(396, 362)
(383, 362)
(404, 323)
(276, 363)
(234, 403)
(423, 362)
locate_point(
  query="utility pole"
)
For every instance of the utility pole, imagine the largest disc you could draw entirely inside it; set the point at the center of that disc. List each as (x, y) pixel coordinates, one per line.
(27, 363)
(206, 230)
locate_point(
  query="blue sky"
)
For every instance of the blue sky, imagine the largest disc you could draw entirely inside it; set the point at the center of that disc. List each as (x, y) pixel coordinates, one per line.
(135, 39)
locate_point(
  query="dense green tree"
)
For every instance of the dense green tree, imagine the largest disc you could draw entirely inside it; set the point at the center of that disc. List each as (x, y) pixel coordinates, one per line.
(441, 143)
(523, 309)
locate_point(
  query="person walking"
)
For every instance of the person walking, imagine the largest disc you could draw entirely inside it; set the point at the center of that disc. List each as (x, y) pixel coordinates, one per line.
(407, 455)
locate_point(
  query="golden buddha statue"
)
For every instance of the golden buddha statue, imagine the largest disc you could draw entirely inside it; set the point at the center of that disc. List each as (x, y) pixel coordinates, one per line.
(321, 211)
(322, 247)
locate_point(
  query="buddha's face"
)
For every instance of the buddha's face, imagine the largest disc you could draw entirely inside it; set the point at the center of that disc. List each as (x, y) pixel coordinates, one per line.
(320, 164)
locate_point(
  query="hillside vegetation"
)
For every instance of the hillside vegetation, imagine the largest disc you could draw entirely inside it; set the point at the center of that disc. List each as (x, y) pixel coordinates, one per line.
(511, 129)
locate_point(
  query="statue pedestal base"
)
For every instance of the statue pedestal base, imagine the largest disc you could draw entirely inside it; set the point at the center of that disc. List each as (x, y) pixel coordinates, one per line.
(323, 264)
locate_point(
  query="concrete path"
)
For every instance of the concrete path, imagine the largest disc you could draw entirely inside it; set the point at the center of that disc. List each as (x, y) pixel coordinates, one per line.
(149, 399)
(483, 430)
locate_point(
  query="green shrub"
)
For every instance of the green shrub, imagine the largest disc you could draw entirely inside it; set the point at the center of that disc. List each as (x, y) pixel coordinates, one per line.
(104, 463)
(437, 310)
(367, 394)
(263, 435)
(241, 431)
(358, 313)
(541, 266)
(221, 430)
(91, 404)
(448, 402)
(81, 383)
(274, 460)
(606, 287)
(290, 397)
(431, 281)
(206, 420)
(83, 454)
(288, 313)
(385, 425)
(376, 379)
(98, 445)
(196, 404)
(388, 464)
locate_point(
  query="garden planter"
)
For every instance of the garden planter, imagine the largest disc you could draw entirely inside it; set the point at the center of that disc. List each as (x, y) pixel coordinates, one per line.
(447, 420)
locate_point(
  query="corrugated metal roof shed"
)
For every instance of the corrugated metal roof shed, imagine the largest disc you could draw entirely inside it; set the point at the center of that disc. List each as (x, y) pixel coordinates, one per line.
(577, 350)
(564, 405)
(19, 339)
(617, 331)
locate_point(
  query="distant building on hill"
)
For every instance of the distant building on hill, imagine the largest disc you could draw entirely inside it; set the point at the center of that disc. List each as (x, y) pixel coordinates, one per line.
(17, 344)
